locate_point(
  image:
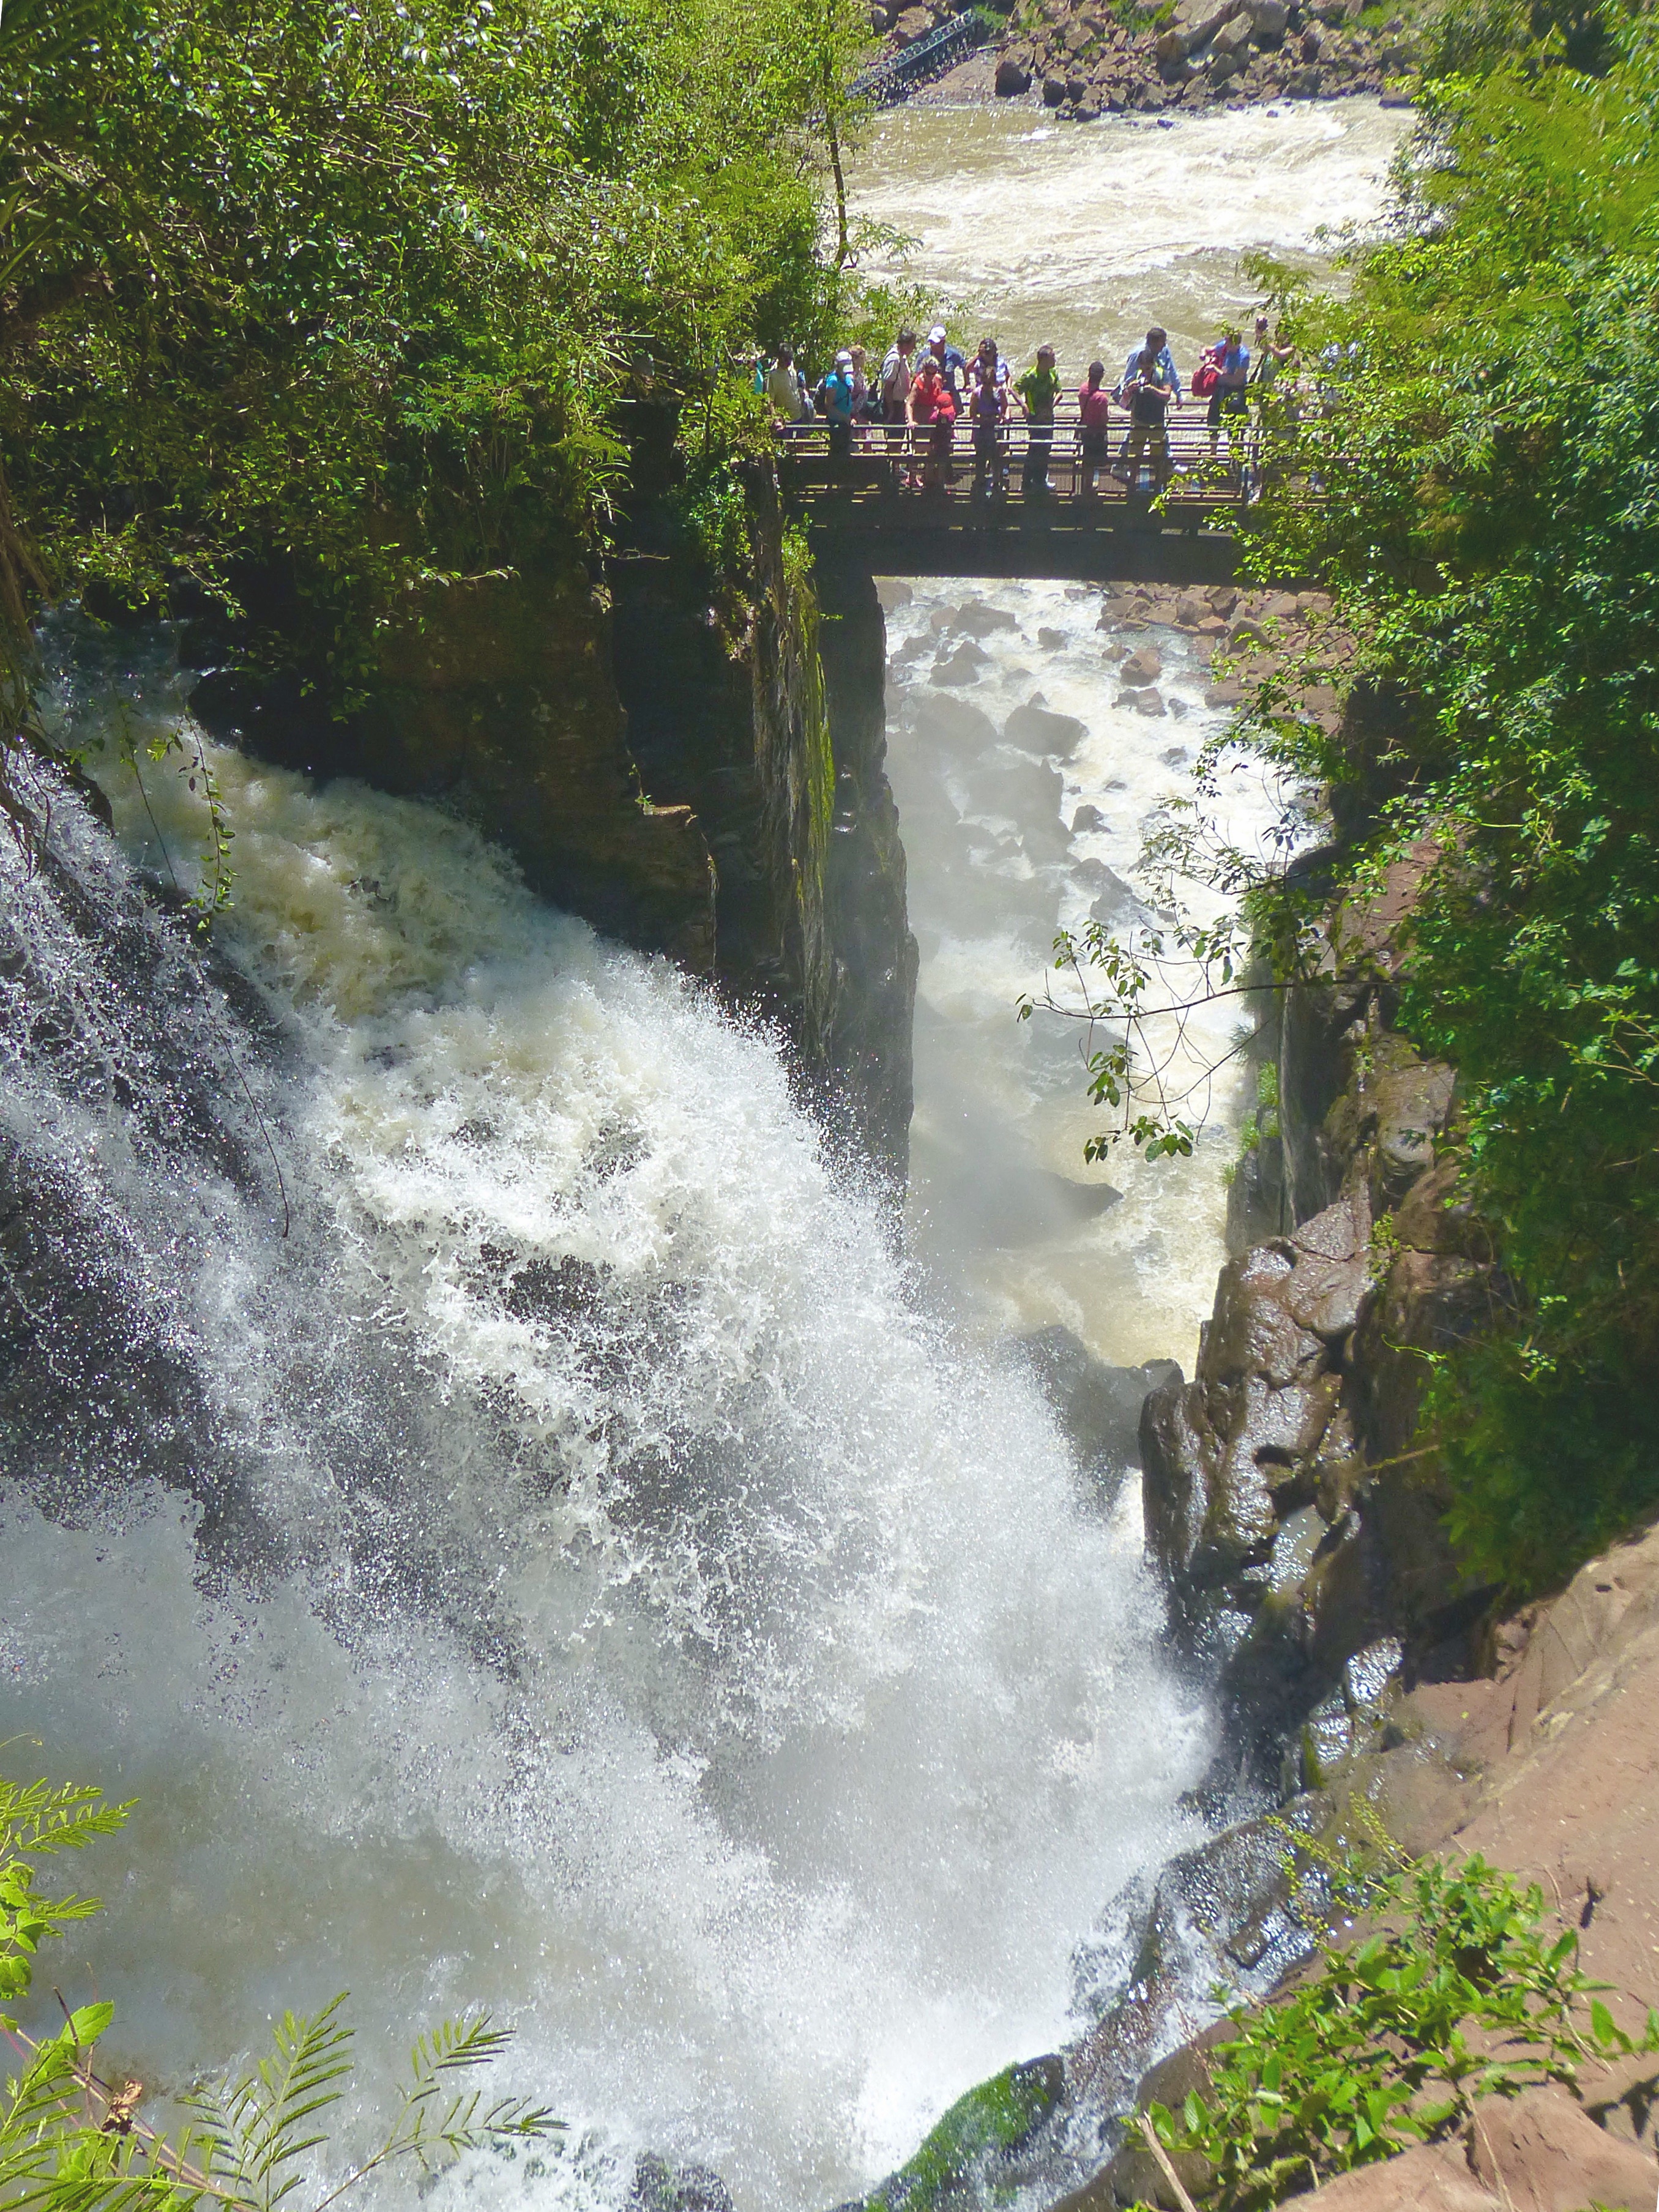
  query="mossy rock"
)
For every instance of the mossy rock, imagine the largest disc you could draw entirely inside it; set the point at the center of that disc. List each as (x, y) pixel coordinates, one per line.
(978, 2132)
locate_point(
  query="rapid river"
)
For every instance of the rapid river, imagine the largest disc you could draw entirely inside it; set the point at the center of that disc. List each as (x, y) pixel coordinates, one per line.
(578, 1569)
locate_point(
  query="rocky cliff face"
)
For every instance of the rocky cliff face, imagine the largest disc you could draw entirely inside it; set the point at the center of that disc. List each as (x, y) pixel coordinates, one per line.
(764, 717)
(1286, 1505)
(496, 696)
(1546, 1763)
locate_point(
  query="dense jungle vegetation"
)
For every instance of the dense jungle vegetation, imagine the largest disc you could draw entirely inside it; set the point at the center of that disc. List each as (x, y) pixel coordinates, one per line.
(1489, 441)
(316, 304)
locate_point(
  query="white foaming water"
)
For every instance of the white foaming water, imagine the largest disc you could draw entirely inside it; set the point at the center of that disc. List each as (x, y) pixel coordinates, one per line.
(1084, 234)
(656, 1630)
(1003, 1209)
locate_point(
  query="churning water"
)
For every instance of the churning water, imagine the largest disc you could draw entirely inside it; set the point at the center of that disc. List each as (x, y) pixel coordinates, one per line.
(602, 1596)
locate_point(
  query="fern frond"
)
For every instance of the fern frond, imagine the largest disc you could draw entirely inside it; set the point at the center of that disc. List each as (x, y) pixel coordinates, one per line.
(469, 2039)
(42, 1818)
(259, 2127)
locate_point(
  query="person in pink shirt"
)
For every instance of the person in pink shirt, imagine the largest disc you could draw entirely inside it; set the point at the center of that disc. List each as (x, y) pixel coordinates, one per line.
(933, 411)
(1094, 410)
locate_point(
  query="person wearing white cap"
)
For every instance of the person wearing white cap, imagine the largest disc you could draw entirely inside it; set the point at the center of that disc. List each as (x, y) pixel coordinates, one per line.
(952, 362)
(837, 397)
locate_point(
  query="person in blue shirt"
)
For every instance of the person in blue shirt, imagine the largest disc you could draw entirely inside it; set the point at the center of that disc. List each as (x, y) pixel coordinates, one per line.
(837, 397)
(1158, 344)
(952, 362)
(1232, 375)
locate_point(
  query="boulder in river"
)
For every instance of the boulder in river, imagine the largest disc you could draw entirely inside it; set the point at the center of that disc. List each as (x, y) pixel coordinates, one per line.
(1144, 665)
(979, 619)
(1116, 903)
(975, 2153)
(961, 667)
(662, 2185)
(1037, 729)
(948, 729)
(1021, 790)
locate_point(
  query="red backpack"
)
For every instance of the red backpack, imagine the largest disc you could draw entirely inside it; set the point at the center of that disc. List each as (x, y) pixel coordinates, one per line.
(1208, 374)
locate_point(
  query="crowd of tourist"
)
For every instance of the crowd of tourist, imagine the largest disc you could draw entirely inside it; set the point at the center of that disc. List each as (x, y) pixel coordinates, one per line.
(910, 408)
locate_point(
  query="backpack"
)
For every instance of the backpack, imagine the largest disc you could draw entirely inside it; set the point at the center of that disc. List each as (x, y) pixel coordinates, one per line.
(1208, 374)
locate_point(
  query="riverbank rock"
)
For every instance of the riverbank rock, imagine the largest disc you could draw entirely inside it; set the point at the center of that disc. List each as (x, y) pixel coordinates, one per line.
(1099, 1407)
(663, 2185)
(1081, 63)
(1546, 1763)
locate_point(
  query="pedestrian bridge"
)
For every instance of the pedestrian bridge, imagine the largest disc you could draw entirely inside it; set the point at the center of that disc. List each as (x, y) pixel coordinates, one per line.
(1185, 531)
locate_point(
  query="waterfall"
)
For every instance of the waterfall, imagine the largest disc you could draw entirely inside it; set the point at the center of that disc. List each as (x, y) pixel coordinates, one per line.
(486, 1487)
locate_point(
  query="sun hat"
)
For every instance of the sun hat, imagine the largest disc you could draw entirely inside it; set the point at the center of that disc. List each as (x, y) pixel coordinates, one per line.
(936, 336)
(843, 360)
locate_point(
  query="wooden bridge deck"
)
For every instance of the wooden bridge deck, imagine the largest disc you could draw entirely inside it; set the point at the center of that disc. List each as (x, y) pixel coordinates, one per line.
(1183, 531)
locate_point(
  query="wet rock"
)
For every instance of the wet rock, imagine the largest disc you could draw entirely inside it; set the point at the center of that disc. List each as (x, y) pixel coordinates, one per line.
(961, 667)
(975, 2153)
(1099, 1405)
(1087, 820)
(1368, 1673)
(1117, 904)
(1148, 702)
(1011, 81)
(1144, 665)
(1052, 640)
(1037, 729)
(1229, 1456)
(1221, 1913)
(949, 729)
(662, 2185)
(977, 619)
(1053, 91)
(1018, 789)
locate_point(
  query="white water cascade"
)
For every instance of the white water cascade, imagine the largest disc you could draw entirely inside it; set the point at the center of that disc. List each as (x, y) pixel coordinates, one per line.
(623, 1609)
(569, 1571)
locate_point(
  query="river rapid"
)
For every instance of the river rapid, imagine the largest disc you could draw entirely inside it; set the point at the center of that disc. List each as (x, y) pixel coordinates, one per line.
(495, 1498)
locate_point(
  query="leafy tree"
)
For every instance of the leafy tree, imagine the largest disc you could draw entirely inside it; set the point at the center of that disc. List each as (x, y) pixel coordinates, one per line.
(313, 305)
(1481, 491)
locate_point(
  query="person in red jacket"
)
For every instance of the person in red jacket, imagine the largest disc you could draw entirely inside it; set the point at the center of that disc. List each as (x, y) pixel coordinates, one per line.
(1094, 411)
(933, 409)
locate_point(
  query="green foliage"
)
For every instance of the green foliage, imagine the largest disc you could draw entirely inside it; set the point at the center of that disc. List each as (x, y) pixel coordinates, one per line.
(1486, 418)
(1460, 1994)
(72, 2141)
(323, 304)
(1262, 1120)
(39, 1819)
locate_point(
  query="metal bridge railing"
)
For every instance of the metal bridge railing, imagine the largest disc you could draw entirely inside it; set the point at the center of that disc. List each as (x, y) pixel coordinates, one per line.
(922, 60)
(1195, 475)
